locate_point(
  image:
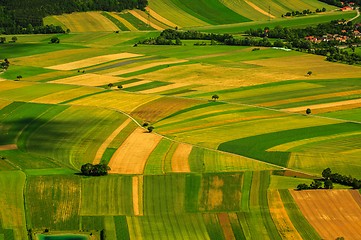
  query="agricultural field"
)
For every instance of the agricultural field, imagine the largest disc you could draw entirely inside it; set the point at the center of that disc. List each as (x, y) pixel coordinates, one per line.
(202, 142)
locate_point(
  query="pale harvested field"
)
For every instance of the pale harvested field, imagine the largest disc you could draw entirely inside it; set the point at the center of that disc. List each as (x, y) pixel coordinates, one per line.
(258, 9)
(145, 66)
(117, 100)
(333, 213)
(93, 61)
(331, 105)
(8, 147)
(180, 158)
(87, 22)
(9, 85)
(315, 97)
(132, 155)
(226, 226)
(137, 192)
(218, 77)
(4, 103)
(56, 57)
(125, 22)
(141, 18)
(135, 84)
(89, 79)
(160, 18)
(62, 96)
(301, 64)
(165, 88)
(280, 216)
(105, 144)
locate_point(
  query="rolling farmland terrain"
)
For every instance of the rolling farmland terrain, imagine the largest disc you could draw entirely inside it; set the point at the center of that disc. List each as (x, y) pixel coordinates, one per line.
(220, 167)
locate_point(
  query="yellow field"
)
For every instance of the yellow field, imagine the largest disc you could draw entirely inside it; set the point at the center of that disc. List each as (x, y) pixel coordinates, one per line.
(8, 85)
(160, 18)
(117, 100)
(180, 158)
(280, 216)
(137, 190)
(320, 108)
(338, 212)
(132, 155)
(125, 22)
(105, 144)
(89, 79)
(145, 66)
(4, 103)
(138, 14)
(87, 22)
(93, 61)
(258, 9)
(66, 95)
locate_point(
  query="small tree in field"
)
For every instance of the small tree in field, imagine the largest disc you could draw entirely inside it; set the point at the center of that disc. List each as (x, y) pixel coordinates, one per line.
(19, 77)
(308, 111)
(215, 97)
(54, 40)
(14, 39)
(309, 73)
(110, 85)
(150, 129)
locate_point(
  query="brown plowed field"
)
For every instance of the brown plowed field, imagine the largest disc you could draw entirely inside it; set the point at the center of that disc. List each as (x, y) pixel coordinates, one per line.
(8, 147)
(226, 226)
(132, 155)
(180, 158)
(333, 213)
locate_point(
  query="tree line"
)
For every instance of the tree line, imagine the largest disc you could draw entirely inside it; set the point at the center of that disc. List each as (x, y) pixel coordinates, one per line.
(329, 178)
(89, 169)
(338, 3)
(17, 15)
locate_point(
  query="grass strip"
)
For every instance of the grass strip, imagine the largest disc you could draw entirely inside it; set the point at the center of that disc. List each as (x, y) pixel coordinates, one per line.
(118, 23)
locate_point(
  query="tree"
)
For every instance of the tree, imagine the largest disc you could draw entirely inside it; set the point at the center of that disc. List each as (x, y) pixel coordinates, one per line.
(309, 73)
(302, 186)
(215, 97)
(2, 39)
(119, 86)
(328, 184)
(150, 129)
(54, 40)
(19, 77)
(326, 173)
(14, 39)
(308, 111)
(86, 169)
(110, 85)
(316, 184)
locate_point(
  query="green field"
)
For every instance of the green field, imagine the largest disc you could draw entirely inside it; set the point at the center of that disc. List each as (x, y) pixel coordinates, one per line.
(219, 168)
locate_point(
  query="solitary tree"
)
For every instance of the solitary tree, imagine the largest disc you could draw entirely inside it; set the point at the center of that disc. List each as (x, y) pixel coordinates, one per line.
(215, 97)
(326, 173)
(150, 129)
(309, 73)
(19, 77)
(119, 86)
(308, 111)
(14, 39)
(54, 40)
(110, 85)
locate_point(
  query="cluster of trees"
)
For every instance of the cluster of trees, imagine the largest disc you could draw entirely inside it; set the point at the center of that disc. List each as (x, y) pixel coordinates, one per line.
(17, 15)
(5, 64)
(302, 13)
(329, 178)
(341, 179)
(89, 169)
(160, 40)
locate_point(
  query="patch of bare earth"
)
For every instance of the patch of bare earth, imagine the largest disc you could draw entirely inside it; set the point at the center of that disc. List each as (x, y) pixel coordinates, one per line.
(105, 144)
(8, 147)
(132, 155)
(226, 226)
(333, 213)
(180, 158)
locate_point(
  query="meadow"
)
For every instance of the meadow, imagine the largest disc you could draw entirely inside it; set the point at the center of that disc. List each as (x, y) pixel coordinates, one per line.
(212, 168)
